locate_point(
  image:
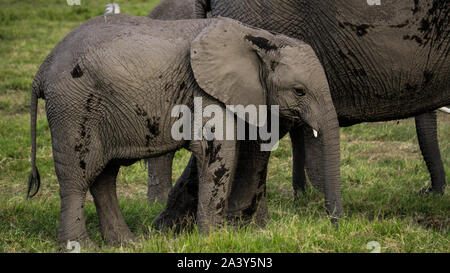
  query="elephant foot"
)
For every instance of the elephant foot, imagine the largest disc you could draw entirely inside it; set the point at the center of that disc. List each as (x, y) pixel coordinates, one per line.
(79, 246)
(431, 190)
(335, 222)
(121, 236)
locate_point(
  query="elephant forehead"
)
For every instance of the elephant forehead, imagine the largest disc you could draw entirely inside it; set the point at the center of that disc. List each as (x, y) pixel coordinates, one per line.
(296, 64)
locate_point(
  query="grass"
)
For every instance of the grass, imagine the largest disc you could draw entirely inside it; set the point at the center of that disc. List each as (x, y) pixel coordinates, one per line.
(382, 170)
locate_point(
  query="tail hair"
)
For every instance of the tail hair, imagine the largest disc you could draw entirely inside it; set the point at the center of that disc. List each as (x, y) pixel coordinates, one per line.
(34, 183)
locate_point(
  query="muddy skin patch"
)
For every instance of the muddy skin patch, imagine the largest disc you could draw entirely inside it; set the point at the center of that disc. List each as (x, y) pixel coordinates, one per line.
(76, 72)
(81, 146)
(402, 25)
(432, 24)
(153, 126)
(219, 173)
(360, 30)
(83, 164)
(221, 204)
(139, 111)
(212, 152)
(415, 38)
(253, 206)
(261, 42)
(90, 103)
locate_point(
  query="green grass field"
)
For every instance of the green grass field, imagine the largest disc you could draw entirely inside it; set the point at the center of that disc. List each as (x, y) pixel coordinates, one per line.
(382, 170)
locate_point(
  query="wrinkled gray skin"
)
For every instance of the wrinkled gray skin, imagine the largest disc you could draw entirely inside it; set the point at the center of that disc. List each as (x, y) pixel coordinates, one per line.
(160, 168)
(173, 10)
(110, 86)
(383, 63)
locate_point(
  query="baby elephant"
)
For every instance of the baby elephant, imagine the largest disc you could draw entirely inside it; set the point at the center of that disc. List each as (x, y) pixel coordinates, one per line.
(112, 87)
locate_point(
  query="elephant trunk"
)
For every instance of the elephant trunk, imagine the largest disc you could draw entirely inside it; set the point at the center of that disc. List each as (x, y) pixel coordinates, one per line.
(330, 149)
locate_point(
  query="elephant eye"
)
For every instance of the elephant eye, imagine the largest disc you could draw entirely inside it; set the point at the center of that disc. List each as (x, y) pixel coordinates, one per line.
(300, 91)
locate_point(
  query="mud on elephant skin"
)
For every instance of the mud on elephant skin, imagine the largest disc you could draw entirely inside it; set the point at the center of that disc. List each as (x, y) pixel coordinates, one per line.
(110, 86)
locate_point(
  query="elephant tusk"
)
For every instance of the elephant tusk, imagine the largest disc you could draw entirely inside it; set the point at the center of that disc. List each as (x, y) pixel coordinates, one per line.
(445, 110)
(316, 134)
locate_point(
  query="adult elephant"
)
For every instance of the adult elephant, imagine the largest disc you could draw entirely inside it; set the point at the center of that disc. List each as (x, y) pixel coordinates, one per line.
(383, 62)
(173, 10)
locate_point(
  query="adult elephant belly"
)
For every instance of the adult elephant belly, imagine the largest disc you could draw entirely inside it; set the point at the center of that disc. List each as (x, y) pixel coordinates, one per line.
(386, 63)
(384, 76)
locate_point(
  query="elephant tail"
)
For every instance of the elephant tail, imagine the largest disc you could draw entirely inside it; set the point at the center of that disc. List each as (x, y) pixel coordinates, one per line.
(34, 180)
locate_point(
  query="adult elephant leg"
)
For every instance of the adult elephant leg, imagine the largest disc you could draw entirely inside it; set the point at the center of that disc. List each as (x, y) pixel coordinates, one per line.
(159, 178)
(112, 224)
(298, 160)
(182, 201)
(426, 127)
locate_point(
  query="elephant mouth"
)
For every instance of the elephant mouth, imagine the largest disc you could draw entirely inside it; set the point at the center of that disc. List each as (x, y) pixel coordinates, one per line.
(298, 120)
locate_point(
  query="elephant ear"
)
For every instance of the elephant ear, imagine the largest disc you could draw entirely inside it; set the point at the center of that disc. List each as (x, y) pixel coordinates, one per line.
(226, 66)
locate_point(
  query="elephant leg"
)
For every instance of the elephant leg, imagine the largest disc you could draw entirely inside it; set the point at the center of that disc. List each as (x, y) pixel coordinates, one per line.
(247, 200)
(112, 223)
(72, 191)
(182, 201)
(72, 221)
(426, 127)
(216, 161)
(298, 161)
(159, 178)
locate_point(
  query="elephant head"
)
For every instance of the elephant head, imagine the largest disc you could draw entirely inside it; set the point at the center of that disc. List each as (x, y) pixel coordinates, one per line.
(240, 65)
